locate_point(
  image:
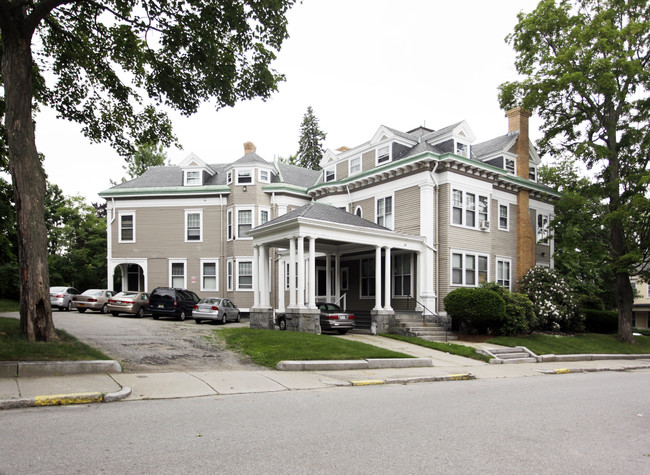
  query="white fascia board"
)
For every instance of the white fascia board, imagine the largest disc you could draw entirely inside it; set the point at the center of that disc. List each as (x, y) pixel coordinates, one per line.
(465, 128)
(169, 203)
(384, 188)
(390, 136)
(466, 183)
(503, 197)
(541, 206)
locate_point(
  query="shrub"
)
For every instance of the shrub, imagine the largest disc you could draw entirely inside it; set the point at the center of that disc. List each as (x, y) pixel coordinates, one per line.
(590, 302)
(553, 301)
(520, 315)
(476, 309)
(600, 321)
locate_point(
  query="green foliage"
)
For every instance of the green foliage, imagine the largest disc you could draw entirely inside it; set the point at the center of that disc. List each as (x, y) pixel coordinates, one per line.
(519, 315)
(451, 348)
(600, 321)
(476, 309)
(144, 157)
(9, 287)
(584, 343)
(310, 145)
(268, 348)
(554, 303)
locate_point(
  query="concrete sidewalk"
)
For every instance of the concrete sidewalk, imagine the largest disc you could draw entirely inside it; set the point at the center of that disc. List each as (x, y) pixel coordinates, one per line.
(113, 386)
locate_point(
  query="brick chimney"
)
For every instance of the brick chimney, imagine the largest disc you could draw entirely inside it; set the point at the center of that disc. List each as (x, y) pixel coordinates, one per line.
(518, 122)
(249, 147)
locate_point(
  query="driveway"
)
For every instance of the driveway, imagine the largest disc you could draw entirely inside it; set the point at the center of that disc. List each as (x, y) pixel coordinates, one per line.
(146, 345)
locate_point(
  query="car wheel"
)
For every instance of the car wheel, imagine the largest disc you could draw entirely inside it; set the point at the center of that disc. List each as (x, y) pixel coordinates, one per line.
(156, 317)
(282, 323)
(104, 309)
(197, 321)
(238, 317)
(115, 314)
(181, 317)
(140, 313)
(68, 307)
(342, 331)
(81, 310)
(224, 320)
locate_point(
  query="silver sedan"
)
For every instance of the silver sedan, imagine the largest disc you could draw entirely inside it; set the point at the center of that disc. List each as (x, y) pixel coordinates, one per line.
(217, 309)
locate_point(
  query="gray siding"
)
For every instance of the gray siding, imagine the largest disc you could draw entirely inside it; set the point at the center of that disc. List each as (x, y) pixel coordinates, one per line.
(407, 210)
(368, 160)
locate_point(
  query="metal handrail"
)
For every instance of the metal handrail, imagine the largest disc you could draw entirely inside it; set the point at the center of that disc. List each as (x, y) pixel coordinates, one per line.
(436, 318)
(341, 298)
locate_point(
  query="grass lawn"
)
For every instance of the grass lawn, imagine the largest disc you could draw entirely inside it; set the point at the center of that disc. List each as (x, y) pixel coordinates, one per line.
(14, 347)
(7, 305)
(585, 343)
(268, 348)
(451, 348)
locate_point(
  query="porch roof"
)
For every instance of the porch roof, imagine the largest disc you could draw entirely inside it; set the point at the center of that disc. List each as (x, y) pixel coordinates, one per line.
(334, 229)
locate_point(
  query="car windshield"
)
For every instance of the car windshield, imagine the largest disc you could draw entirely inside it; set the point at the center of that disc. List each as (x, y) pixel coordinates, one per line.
(93, 293)
(127, 295)
(330, 307)
(210, 301)
(164, 294)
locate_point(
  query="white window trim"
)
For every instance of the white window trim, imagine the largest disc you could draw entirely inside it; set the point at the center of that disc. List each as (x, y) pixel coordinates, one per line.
(251, 171)
(350, 172)
(185, 177)
(326, 171)
(239, 260)
(358, 211)
(392, 199)
(268, 175)
(512, 172)
(229, 177)
(496, 269)
(390, 151)
(178, 261)
(236, 222)
(465, 145)
(119, 224)
(361, 296)
(467, 253)
(411, 271)
(477, 219)
(200, 213)
(214, 261)
(532, 169)
(259, 216)
(230, 216)
(507, 206)
(230, 275)
(539, 238)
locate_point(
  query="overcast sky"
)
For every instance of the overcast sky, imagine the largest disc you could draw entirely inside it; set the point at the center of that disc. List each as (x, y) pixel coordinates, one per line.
(359, 63)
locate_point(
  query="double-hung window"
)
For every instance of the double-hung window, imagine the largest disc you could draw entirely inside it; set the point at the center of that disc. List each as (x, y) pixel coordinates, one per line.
(468, 269)
(542, 226)
(229, 225)
(509, 165)
(469, 209)
(402, 275)
(192, 177)
(177, 273)
(209, 277)
(355, 165)
(244, 222)
(383, 154)
(504, 272)
(503, 217)
(368, 277)
(532, 173)
(330, 173)
(244, 275)
(229, 275)
(127, 226)
(264, 176)
(385, 212)
(193, 226)
(244, 177)
(462, 149)
(264, 216)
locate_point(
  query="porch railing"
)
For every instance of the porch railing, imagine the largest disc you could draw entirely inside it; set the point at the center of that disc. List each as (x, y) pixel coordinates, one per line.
(440, 320)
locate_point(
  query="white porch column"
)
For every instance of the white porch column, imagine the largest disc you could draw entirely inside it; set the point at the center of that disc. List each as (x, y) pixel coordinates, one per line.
(124, 268)
(264, 274)
(328, 277)
(301, 272)
(387, 279)
(282, 270)
(426, 293)
(256, 277)
(377, 278)
(337, 277)
(292, 272)
(312, 272)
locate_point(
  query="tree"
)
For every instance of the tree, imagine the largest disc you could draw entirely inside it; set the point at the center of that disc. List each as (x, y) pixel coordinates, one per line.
(96, 63)
(145, 156)
(310, 144)
(586, 68)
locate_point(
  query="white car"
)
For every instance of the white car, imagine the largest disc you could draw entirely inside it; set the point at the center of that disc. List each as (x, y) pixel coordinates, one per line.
(217, 309)
(61, 297)
(92, 299)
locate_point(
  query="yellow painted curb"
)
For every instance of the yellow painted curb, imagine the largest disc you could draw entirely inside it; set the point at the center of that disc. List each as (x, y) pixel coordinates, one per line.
(368, 382)
(63, 399)
(562, 371)
(460, 377)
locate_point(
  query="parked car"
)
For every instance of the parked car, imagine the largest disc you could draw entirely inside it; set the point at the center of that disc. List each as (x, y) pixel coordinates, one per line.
(171, 302)
(131, 302)
(61, 297)
(217, 309)
(332, 318)
(92, 299)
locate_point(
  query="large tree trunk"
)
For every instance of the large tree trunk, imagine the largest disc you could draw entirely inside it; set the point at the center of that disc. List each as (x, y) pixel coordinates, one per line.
(28, 179)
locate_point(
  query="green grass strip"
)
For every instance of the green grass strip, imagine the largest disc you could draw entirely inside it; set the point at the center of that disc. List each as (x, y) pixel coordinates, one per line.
(583, 343)
(451, 348)
(268, 348)
(7, 305)
(16, 347)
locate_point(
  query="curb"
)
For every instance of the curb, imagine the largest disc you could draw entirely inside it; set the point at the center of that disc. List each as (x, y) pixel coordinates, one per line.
(65, 399)
(419, 379)
(17, 369)
(590, 370)
(334, 365)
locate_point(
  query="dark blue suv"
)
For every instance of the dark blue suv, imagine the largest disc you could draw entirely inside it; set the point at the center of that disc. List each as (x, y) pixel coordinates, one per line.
(170, 302)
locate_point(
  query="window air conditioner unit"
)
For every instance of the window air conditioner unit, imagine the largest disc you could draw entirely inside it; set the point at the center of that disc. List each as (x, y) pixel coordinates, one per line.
(484, 225)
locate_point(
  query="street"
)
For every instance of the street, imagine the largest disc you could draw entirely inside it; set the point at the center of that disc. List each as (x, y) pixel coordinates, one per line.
(573, 423)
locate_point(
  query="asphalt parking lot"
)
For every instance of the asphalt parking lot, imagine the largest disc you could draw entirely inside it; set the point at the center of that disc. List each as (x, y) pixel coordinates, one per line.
(146, 345)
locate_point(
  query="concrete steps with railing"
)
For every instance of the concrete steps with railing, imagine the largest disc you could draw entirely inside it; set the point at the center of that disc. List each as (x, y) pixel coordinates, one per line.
(518, 354)
(410, 323)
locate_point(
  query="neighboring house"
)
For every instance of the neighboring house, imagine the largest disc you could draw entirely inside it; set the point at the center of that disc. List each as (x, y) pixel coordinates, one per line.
(641, 307)
(393, 224)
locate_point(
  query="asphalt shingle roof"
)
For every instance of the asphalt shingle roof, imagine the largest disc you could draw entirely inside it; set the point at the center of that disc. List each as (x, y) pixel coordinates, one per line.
(494, 145)
(298, 176)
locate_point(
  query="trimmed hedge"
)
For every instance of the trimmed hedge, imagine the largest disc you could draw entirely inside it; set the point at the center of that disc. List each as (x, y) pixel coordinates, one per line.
(600, 321)
(476, 309)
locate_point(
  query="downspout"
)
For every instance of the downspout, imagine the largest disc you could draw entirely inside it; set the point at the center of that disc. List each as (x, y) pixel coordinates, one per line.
(436, 240)
(350, 198)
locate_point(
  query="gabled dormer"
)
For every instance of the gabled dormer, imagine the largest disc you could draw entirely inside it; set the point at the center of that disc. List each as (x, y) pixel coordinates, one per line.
(328, 165)
(249, 169)
(390, 144)
(456, 139)
(195, 171)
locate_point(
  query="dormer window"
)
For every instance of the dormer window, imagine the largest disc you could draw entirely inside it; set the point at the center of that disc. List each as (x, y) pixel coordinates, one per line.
(330, 174)
(264, 176)
(532, 173)
(383, 154)
(462, 149)
(229, 177)
(244, 177)
(192, 178)
(355, 165)
(509, 165)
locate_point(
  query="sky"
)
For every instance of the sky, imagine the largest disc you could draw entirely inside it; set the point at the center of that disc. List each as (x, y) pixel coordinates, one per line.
(359, 64)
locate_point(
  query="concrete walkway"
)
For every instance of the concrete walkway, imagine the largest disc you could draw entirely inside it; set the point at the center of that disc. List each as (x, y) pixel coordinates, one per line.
(107, 387)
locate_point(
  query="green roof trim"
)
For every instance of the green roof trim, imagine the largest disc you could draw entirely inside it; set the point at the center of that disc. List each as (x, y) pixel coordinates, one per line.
(166, 190)
(276, 187)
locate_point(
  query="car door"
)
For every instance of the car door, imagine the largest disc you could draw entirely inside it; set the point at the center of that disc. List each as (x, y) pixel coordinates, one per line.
(231, 311)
